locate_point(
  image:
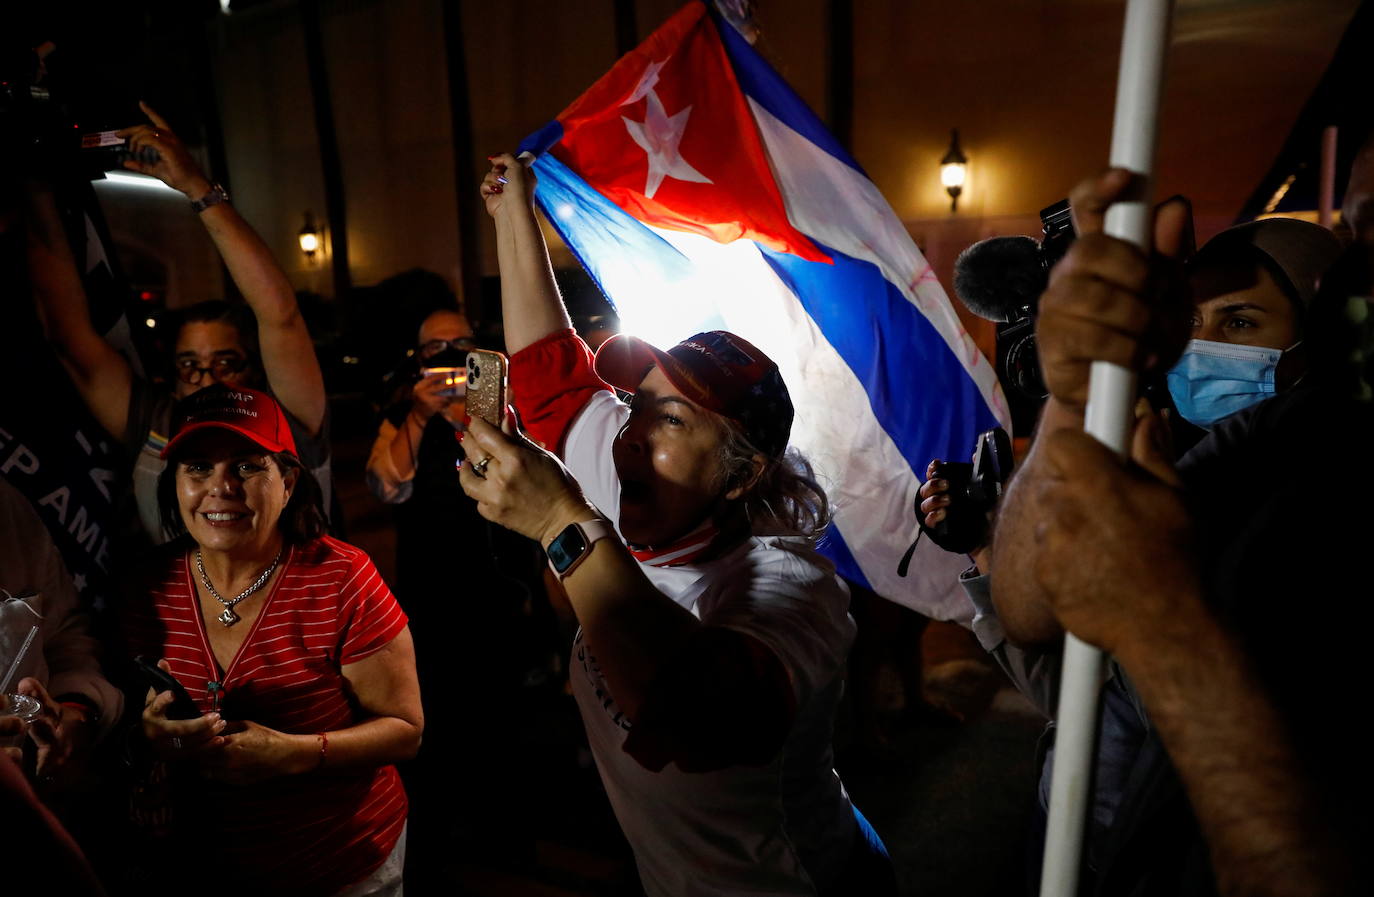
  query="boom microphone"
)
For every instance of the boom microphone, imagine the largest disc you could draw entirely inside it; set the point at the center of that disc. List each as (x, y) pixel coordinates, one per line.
(1000, 278)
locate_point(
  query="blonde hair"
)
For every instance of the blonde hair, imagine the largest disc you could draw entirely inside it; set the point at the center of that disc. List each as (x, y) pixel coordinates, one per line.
(785, 500)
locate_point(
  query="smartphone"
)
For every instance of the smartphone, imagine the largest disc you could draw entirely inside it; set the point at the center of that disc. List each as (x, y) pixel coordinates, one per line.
(486, 387)
(455, 380)
(182, 707)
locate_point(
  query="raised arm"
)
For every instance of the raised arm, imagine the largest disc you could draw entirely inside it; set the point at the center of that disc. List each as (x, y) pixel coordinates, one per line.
(288, 355)
(101, 375)
(391, 463)
(530, 304)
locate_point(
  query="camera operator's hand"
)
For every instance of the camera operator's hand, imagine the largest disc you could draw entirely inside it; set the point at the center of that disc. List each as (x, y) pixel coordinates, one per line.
(428, 396)
(175, 166)
(934, 494)
(1106, 301)
(936, 502)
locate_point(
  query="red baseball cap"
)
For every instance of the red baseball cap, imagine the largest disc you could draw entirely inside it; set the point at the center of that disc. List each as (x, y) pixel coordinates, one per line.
(719, 370)
(248, 412)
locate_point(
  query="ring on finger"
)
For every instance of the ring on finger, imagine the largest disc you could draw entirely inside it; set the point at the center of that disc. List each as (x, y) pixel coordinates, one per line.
(480, 468)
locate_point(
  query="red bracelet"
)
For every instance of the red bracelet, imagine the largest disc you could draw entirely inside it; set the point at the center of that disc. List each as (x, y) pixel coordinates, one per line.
(324, 749)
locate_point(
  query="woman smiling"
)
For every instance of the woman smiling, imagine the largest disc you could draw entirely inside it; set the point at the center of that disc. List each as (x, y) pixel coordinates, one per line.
(296, 653)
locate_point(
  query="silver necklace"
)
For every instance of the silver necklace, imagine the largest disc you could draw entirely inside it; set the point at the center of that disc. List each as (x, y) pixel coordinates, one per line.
(228, 617)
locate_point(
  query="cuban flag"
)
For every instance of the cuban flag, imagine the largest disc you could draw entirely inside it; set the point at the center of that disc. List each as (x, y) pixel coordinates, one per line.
(701, 193)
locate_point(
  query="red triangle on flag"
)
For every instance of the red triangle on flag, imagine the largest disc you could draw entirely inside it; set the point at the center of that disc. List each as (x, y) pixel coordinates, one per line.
(667, 135)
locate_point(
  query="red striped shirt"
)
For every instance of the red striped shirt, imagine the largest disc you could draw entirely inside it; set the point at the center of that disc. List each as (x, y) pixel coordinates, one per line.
(308, 834)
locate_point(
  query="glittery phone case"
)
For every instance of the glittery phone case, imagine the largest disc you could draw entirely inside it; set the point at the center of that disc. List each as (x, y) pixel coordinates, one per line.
(487, 386)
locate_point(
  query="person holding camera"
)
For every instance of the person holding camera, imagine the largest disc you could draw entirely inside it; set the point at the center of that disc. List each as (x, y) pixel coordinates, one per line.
(457, 573)
(266, 345)
(425, 421)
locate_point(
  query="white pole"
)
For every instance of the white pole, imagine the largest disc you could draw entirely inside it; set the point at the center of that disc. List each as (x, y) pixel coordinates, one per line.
(1111, 396)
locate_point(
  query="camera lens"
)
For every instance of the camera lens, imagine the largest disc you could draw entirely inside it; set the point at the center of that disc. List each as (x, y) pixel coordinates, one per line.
(476, 372)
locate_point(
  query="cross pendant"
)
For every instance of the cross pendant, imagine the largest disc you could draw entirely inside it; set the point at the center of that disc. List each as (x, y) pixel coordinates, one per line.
(228, 618)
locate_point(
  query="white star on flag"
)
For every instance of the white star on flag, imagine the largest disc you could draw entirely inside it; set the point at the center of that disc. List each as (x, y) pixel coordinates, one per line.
(646, 82)
(659, 135)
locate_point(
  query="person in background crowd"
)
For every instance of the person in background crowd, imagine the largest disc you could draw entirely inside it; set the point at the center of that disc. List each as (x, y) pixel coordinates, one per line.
(457, 573)
(215, 343)
(712, 652)
(40, 616)
(1252, 286)
(296, 655)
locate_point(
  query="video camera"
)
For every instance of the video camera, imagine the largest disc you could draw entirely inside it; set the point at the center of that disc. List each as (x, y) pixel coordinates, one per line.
(974, 490)
(1018, 363)
(1001, 279)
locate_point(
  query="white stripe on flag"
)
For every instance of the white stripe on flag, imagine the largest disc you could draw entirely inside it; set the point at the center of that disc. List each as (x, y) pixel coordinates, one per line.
(830, 201)
(869, 482)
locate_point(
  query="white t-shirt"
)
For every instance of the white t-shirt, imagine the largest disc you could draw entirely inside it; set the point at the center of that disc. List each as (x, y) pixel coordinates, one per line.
(784, 828)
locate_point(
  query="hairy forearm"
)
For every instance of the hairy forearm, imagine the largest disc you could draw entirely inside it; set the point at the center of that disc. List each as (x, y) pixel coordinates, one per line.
(1259, 815)
(1021, 603)
(530, 303)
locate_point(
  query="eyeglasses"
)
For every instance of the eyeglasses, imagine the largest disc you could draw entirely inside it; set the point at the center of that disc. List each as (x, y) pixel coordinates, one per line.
(433, 347)
(190, 371)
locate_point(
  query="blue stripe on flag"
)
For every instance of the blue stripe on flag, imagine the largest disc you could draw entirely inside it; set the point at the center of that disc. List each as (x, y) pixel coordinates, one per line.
(765, 86)
(833, 546)
(920, 392)
(597, 230)
(540, 141)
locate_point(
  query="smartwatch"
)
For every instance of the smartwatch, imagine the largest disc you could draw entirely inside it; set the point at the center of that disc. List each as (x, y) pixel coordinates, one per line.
(569, 547)
(213, 197)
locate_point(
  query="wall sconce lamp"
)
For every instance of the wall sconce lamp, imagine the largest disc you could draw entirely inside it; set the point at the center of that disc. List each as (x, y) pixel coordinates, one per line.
(309, 238)
(953, 170)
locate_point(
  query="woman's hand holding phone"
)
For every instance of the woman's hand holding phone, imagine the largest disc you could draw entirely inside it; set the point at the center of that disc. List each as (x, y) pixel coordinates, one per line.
(173, 738)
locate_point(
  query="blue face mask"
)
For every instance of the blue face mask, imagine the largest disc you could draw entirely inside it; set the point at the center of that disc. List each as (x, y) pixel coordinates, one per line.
(1213, 380)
